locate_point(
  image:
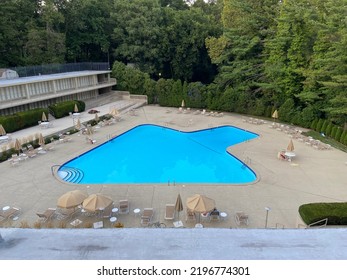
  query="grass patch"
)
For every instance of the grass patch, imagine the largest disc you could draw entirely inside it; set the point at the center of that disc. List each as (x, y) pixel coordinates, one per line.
(326, 140)
(335, 212)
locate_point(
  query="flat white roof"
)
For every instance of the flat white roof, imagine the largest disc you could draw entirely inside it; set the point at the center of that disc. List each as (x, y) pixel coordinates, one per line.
(173, 244)
(42, 78)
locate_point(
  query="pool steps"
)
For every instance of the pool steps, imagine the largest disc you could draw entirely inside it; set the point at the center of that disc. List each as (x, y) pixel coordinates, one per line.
(71, 174)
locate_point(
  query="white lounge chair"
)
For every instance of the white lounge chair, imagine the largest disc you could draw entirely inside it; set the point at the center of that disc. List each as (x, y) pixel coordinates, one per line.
(169, 211)
(241, 218)
(147, 216)
(124, 206)
(190, 216)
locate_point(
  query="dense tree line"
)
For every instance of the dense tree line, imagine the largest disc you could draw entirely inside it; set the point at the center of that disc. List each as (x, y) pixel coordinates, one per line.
(163, 37)
(242, 56)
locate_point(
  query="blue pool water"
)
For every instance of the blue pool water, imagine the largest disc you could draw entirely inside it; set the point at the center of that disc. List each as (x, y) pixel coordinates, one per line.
(155, 154)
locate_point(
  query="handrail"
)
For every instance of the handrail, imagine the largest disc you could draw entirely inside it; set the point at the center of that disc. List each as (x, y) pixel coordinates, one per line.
(52, 167)
(318, 222)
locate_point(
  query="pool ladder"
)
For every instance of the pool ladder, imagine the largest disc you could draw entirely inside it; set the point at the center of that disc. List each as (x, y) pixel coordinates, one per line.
(247, 161)
(168, 183)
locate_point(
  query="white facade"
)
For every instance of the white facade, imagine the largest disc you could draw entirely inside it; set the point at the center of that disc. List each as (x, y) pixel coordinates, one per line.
(40, 91)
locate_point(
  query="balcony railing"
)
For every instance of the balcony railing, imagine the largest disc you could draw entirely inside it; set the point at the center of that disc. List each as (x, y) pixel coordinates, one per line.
(28, 71)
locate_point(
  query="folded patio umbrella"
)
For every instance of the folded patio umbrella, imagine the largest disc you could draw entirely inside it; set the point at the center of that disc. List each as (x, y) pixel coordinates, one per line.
(2, 130)
(179, 205)
(275, 114)
(290, 147)
(41, 140)
(44, 117)
(17, 145)
(78, 125)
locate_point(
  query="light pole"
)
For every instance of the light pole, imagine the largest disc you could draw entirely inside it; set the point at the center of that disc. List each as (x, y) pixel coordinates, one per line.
(267, 215)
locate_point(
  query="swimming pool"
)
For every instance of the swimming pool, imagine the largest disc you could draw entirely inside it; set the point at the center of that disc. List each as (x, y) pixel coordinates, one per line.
(155, 154)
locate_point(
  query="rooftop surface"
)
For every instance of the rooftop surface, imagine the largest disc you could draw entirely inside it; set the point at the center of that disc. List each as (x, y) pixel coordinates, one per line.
(312, 176)
(173, 244)
(42, 78)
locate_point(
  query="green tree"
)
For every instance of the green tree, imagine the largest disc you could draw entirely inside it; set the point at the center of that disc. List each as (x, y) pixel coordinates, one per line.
(88, 29)
(46, 42)
(238, 52)
(287, 110)
(14, 18)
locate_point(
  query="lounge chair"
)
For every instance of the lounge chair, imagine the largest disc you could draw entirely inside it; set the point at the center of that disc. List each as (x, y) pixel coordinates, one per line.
(14, 160)
(12, 212)
(47, 215)
(190, 216)
(214, 215)
(99, 224)
(169, 212)
(123, 206)
(31, 151)
(66, 214)
(90, 140)
(241, 218)
(48, 147)
(107, 213)
(147, 216)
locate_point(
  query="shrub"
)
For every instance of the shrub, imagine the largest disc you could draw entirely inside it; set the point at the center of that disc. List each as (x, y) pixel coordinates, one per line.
(88, 225)
(342, 138)
(328, 129)
(335, 212)
(62, 224)
(319, 125)
(307, 116)
(22, 120)
(63, 109)
(37, 225)
(297, 119)
(268, 112)
(324, 127)
(338, 134)
(24, 224)
(287, 110)
(333, 131)
(119, 225)
(314, 124)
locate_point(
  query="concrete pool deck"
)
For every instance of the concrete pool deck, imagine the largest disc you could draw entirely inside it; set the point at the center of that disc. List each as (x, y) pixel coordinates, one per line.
(312, 176)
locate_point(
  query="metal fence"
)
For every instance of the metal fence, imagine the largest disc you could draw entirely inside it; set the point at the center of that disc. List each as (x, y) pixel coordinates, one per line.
(28, 71)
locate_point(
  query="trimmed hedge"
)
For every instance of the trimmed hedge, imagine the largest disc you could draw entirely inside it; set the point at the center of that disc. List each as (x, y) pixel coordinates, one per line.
(63, 109)
(22, 120)
(314, 212)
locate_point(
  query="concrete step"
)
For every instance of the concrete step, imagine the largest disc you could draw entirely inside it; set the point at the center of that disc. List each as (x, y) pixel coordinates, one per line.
(103, 99)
